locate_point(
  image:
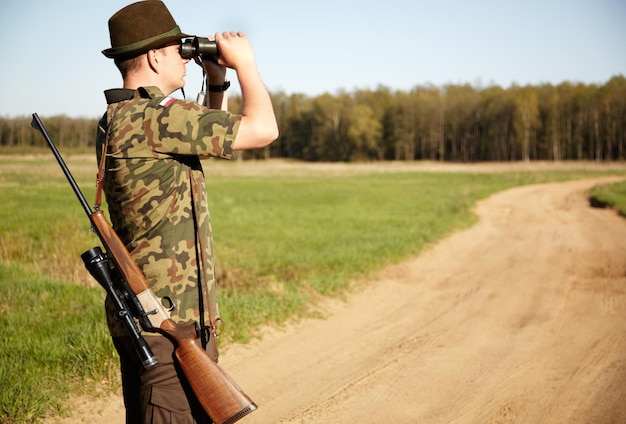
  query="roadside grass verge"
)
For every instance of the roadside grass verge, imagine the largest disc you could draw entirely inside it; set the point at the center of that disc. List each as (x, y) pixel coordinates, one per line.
(282, 242)
(610, 195)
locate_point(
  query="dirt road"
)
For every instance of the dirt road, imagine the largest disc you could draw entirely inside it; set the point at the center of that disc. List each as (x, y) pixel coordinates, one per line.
(520, 319)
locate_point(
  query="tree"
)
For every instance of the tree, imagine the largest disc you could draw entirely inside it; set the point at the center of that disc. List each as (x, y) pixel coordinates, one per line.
(526, 119)
(364, 133)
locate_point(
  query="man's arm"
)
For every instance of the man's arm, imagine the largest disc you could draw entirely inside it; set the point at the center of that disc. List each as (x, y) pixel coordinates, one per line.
(215, 76)
(258, 126)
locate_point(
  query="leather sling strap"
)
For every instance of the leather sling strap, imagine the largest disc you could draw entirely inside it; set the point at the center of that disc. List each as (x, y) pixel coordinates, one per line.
(111, 108)
(113, 96)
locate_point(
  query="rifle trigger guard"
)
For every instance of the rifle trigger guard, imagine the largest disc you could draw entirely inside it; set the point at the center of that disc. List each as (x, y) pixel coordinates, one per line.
(168, 303)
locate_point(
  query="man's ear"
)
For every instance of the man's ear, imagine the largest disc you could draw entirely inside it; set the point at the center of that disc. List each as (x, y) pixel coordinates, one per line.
(153, 60)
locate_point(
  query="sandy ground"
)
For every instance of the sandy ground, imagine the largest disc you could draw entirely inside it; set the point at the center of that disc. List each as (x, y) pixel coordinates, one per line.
(520, 319)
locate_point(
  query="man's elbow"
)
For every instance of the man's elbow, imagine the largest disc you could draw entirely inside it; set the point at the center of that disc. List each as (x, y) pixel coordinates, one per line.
(273, 134)
(266, 132)
(268, 137)
(261, 137)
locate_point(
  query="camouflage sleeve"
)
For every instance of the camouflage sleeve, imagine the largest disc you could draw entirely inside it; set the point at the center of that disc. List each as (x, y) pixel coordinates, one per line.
(186, 128)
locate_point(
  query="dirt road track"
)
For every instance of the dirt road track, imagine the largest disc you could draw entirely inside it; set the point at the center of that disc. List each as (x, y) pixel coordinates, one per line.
(520, 319)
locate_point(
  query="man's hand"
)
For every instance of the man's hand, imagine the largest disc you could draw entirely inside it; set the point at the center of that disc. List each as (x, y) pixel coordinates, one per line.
(235, 50)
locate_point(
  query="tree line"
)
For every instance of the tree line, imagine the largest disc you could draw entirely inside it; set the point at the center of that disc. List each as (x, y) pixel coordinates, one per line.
(458, 123)
(72, 133)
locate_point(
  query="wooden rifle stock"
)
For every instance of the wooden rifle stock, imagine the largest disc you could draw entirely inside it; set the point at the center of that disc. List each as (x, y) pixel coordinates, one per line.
(218, 394)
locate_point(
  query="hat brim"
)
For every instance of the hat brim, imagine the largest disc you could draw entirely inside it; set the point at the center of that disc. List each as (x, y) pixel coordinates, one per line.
(143, 46)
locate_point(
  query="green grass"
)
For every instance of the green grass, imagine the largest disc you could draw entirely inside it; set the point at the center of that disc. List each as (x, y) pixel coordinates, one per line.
(613, 195)
(54, 342)
(282, 242)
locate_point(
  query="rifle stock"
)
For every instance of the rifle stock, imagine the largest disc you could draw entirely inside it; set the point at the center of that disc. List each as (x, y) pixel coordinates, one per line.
(218, 394)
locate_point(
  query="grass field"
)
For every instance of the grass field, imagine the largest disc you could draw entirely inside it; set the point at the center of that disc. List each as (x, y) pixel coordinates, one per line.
(284, 238)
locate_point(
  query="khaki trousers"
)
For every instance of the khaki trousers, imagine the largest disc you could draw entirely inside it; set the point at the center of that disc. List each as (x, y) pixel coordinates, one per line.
(161, 394)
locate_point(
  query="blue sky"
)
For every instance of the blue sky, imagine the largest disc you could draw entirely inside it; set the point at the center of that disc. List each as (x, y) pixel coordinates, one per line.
(52, 62)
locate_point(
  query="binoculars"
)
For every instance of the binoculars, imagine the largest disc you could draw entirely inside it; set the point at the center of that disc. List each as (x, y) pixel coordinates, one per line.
(198, 46)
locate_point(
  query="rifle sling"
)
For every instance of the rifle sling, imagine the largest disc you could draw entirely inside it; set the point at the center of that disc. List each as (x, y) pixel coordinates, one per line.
(113, 97)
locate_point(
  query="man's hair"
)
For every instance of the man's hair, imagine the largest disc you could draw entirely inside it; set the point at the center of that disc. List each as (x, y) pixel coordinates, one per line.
(127, 65)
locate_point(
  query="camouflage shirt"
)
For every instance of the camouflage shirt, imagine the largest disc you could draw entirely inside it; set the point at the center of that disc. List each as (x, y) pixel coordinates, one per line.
(156, 195)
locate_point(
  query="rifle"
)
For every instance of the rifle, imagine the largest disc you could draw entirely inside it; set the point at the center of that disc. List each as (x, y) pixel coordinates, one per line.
(216, 391)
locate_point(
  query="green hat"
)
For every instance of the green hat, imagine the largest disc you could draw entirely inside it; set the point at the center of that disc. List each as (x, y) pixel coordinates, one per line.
(139, 27)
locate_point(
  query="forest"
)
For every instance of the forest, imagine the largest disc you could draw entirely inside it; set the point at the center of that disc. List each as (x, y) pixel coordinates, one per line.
(454, 123)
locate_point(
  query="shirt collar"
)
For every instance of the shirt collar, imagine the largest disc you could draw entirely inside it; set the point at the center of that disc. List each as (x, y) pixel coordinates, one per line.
(116, 95)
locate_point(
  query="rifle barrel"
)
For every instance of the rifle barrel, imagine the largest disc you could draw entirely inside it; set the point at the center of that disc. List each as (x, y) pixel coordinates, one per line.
(38, 125)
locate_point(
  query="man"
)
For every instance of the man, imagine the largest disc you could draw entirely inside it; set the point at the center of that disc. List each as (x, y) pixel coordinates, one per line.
(155, 190)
